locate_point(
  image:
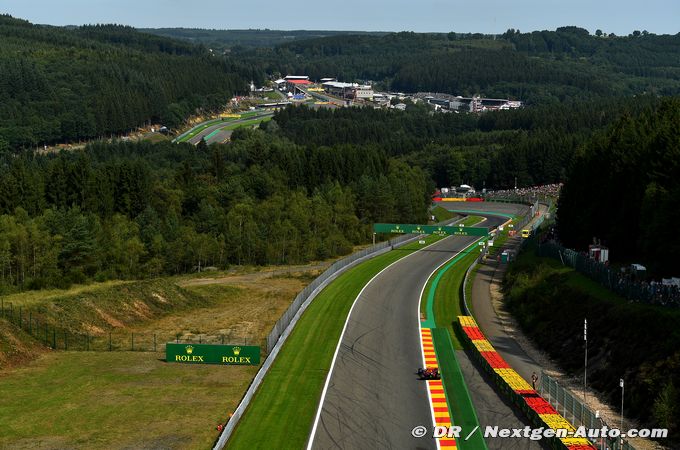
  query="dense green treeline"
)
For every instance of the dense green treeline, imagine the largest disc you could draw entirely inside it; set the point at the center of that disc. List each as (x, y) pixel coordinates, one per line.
(624, 189)
(134, 210)
(538, 67)
(59, 84)
(536, 144)
(227, 39)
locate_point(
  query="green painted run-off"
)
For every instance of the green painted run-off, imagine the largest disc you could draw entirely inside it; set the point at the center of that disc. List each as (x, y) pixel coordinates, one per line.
(429, 322)
(457, 395)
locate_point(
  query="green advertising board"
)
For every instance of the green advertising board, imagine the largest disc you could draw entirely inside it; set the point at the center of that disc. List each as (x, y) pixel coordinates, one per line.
(212, 354)
(441, 230)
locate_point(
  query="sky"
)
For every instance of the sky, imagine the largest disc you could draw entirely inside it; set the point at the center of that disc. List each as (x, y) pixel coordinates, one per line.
(483, 16)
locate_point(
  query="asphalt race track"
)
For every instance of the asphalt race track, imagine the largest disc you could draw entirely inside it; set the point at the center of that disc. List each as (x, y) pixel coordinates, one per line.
(219, 135)
(374, 397)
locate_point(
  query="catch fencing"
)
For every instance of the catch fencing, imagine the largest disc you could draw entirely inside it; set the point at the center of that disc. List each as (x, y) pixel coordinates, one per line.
(623, 284)
(518, 226)
(579, 414)
(59, 338)
(288, 316)
(285, 325)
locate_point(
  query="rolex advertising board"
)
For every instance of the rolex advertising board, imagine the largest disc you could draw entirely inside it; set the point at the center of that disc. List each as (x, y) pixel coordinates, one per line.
(212, 354)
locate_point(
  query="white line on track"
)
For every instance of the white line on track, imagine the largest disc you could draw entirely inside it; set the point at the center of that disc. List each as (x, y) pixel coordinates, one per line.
(422, 349)
(342, 335)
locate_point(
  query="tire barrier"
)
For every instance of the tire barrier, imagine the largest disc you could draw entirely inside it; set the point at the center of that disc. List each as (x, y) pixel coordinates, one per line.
(517, 390)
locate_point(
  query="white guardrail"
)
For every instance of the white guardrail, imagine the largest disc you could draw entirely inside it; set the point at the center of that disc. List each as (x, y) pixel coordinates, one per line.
(289, 319)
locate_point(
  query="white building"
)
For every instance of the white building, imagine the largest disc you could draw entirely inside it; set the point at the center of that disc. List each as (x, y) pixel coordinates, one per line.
(352, 91)
(364, 92)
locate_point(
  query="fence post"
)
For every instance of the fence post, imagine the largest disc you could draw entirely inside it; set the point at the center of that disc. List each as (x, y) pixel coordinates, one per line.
(110, 347)
(87, 341)
(133, 341)
(54, 338)
(154, 342)
(65, 340)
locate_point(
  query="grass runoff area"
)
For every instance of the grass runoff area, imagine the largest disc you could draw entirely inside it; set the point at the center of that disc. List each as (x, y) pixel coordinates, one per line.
(194, 131)
(441, 214)
(444, 299)
(234, 126)
(443, 306)
(282, 411)
(101, 400)
(124, 399)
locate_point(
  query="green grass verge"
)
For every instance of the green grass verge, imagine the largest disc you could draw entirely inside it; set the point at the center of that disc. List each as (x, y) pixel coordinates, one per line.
(194, 131)
(633, 340)
(457, 395)
(443, 305)
(441, 214)
(444, 282)
(281, 414)
(247, 123)
(447, 293)
(470, 221)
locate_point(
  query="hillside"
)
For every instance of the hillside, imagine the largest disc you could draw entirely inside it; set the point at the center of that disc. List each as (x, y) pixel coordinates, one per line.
(538, 67)
(627, 340)
(226, 39)
(16, 346)
(65, 84)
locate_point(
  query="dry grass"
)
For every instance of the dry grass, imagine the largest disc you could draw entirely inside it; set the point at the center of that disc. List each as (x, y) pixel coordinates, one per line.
(134, 399)
(115, 401)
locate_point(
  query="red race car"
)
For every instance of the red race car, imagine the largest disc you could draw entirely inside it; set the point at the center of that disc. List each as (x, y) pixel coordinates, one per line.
(429, 373)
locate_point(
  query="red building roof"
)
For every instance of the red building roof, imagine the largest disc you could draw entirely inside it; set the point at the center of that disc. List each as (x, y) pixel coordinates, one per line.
(299, 81)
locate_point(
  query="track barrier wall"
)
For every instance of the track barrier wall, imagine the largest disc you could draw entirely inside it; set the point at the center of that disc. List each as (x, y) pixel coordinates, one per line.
(288, 320)
(571, 407)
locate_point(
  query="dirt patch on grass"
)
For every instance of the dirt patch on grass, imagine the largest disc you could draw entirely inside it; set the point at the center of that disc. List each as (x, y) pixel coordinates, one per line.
(123, 399)
(16, 346)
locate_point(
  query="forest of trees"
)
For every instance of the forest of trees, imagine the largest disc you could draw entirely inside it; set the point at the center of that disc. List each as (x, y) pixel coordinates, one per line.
(134, 210)
(225, 40)
(624, 189)
(539, 67)
(536, 144)
(309, 183)
(66, 84)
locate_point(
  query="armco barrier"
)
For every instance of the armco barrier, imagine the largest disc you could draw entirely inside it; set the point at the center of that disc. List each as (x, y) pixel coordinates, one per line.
(292, 310)
(539, 412)
(285, 325)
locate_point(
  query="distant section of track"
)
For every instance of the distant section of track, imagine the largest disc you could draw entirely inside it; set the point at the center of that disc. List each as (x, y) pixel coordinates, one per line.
(491, 408)
(215, 133)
